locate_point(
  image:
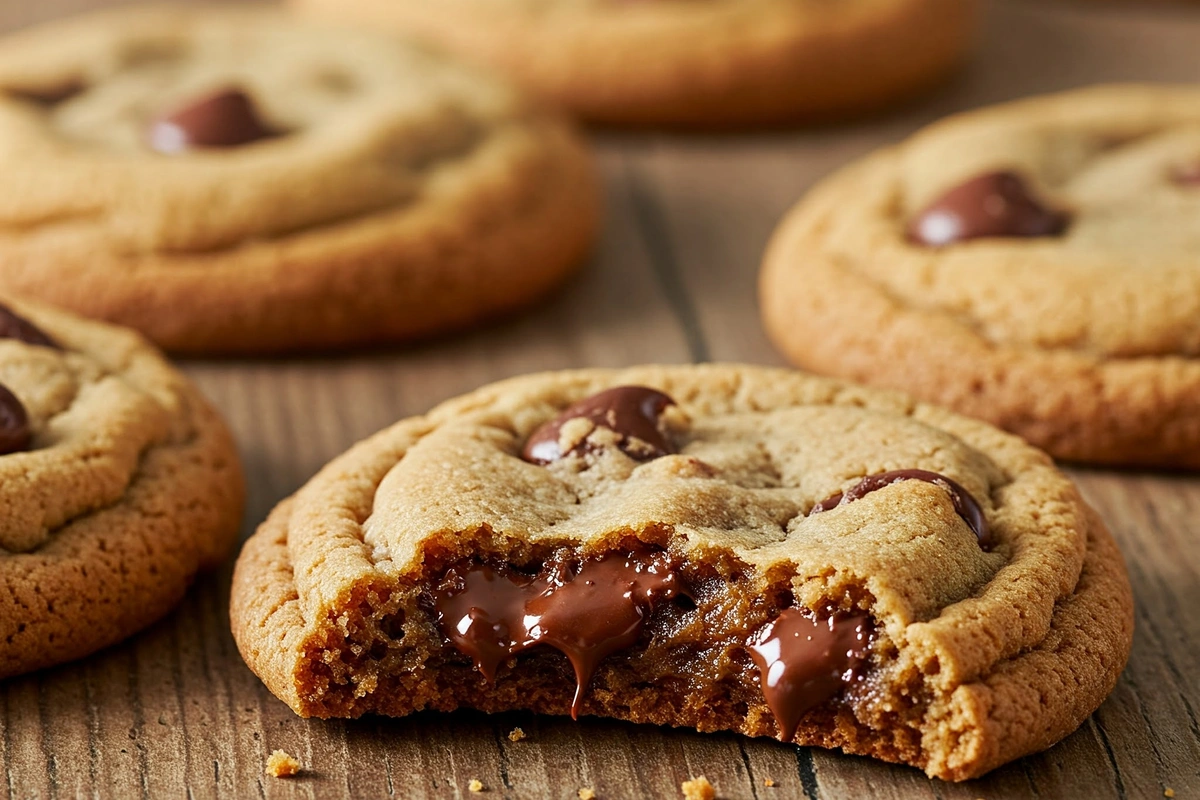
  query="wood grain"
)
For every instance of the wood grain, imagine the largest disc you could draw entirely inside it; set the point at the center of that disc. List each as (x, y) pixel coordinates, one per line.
(174, 713)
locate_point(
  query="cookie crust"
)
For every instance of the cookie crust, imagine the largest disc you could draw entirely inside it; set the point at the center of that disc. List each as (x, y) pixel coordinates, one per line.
(1084, 344)
(409, 197)
(1000, 654)
(131, 487)
(710, 64)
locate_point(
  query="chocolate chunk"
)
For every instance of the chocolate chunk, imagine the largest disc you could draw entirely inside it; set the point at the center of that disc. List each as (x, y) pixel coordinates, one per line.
(804, 661)
(223, 119)
(632, 412)
(13, 326)
(964, 502)
(993, 204)
(15, 434)
(493, 614)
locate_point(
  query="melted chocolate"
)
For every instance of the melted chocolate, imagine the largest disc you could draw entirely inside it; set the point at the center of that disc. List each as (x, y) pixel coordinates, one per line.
(493, 614)
(992, 204)
(223, 119)
(15, 433)
(630, 411)
(14, 326)
(482, 613)
(964, 502)
(803, 662)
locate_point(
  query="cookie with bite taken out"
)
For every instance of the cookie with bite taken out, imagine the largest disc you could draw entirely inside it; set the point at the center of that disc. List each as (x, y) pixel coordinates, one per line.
(715, 547)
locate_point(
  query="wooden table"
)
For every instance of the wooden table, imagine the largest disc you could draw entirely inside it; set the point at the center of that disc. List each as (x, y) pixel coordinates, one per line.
(174, 712)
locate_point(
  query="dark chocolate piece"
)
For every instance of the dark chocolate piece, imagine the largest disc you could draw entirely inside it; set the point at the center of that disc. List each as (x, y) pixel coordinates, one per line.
(223, 119)
(804, 661)
(14, 326)
(15, 433)
(631, 411)
(992, 204)
(493, 614)
(964, 502)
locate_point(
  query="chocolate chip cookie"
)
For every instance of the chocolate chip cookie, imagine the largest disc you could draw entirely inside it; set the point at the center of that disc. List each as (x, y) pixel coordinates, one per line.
(118, 482)
(1032, 264)
(716, 547)
(233, 181)
(693, 62)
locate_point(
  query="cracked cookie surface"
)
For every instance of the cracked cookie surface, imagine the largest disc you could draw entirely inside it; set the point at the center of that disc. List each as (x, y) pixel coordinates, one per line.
(128, 485)
(693, 62)
(1078, 328)
(232, 180)
(985, 632)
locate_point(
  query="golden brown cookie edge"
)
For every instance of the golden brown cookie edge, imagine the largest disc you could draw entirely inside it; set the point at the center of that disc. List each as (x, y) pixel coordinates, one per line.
(79, 572)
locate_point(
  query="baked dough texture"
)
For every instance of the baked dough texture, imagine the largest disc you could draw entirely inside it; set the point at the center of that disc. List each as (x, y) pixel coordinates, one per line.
(1087, 344)
(405, 195)
(980, 656)
(130, 486)
(693, 62)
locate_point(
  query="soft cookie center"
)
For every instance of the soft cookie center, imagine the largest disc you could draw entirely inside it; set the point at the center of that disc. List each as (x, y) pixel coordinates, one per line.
(642, 602)
(591, 609)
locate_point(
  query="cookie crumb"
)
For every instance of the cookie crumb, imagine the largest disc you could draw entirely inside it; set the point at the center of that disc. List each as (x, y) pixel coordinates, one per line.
(516, 735)
(1168, 792)
(698, 789)
(587, 793)
(768, 782)
(475, 785)
(282, 765)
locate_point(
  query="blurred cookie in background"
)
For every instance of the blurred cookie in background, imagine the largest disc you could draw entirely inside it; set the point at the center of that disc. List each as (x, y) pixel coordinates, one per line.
(708, 63)
(229, 180)
(1033, 264)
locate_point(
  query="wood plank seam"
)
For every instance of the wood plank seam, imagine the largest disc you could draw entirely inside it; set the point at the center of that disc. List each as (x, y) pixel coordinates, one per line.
(652, 227)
